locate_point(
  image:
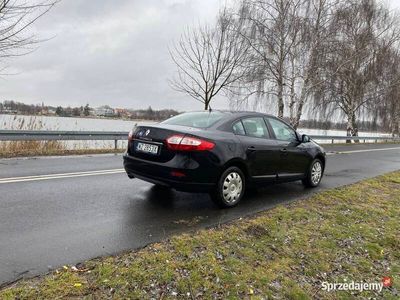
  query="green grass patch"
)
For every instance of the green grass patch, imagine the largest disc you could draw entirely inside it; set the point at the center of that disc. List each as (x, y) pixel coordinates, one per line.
(342, 235)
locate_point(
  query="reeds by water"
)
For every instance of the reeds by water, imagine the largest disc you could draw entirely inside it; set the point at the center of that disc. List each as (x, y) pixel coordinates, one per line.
(28, 148)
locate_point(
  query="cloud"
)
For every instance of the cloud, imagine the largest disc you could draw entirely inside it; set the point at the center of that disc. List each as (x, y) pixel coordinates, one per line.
(106, 52)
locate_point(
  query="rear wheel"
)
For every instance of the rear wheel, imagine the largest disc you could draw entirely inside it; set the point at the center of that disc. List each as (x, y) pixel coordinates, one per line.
(314, 174)
(230, 188)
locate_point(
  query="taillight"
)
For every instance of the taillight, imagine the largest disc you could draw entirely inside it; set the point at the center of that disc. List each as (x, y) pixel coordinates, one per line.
(182, 143)
(177, 174)
(130, 136)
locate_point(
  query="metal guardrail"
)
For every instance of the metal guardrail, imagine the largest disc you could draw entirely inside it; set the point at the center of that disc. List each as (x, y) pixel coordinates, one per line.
(40, 135)
(355, 138)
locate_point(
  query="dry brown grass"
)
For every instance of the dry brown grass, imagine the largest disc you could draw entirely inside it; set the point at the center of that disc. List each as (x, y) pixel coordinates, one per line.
(28, 148)
(41, 148)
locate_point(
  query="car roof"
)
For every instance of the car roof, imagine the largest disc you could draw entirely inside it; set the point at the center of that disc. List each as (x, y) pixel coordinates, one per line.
(231, 116)
(235, 113)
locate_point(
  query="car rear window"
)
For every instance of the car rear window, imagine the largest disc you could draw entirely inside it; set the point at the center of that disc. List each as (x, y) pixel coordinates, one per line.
(195, 119)
(238, 128)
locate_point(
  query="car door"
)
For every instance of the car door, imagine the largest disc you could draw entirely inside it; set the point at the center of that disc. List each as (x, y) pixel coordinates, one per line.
(294, 159)
(262, 152)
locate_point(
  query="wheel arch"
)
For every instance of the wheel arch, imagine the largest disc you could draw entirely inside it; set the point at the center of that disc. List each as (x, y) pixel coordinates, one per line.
(322, 158)
(239, 163)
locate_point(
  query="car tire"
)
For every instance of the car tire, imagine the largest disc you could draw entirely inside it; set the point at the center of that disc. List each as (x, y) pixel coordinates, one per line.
(314, 174)
(230, 188)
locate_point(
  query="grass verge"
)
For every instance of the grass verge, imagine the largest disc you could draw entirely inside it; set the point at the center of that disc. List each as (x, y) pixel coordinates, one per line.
(342, 235)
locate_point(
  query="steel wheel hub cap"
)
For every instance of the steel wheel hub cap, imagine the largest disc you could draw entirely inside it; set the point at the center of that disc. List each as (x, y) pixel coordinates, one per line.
(316, 173)
(232, 187)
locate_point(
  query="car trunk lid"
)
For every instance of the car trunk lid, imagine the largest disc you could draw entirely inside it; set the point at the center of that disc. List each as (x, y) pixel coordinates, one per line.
(149, 141)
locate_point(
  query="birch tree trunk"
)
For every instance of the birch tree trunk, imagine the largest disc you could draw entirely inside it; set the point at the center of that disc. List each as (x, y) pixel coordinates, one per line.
(396, 125)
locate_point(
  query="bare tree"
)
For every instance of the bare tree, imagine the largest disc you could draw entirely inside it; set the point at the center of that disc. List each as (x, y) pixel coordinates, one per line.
(307, 55)
(351, 76)
(271, 32)
(209, 60)
(16, 18)
(338, 53)
(386, 107)
(287, 39)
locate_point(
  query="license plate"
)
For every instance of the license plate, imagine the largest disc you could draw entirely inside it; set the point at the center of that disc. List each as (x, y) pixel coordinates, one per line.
(147, 148)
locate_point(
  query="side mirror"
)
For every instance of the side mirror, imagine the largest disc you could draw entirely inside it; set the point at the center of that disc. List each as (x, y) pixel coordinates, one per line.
(305, 138)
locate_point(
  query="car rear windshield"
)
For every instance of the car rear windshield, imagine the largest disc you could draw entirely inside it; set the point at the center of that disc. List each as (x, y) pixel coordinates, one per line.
(196, 119)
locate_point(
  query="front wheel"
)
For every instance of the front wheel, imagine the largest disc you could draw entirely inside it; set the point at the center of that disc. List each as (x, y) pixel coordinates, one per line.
(230, 188)
(314, 174)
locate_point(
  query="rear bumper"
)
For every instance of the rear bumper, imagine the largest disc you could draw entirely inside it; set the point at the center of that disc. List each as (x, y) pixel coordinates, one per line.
(160, 173)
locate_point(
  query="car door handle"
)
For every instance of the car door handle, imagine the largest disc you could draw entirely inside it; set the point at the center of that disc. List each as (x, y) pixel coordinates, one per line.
(283, 150)
(251, 149)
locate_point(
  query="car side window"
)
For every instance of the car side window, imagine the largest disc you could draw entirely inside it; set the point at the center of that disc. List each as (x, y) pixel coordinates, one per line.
(238, 128)
(282, 131)
(255, 127)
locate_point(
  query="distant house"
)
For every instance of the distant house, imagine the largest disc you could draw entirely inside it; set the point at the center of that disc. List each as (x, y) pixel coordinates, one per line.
(140, 114)
(121, 112)
(51, 112)
(9, 111)
(47, 111)
(104, 111)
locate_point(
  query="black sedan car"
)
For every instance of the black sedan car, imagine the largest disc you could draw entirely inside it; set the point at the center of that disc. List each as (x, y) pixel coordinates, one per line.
(222, 153)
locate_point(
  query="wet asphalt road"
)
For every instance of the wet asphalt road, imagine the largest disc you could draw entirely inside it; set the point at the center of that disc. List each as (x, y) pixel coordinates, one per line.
(69, 218)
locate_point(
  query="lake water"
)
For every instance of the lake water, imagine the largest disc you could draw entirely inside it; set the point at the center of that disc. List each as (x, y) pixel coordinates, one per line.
(59, 123)
(16, 122)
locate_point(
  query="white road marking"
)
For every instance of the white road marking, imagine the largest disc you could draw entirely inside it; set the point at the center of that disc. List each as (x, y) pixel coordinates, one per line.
(118, 171)
(58, 176)
(364, 150)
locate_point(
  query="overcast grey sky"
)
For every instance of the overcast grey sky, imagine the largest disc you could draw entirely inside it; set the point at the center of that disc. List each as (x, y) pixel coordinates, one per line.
(108, 52)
